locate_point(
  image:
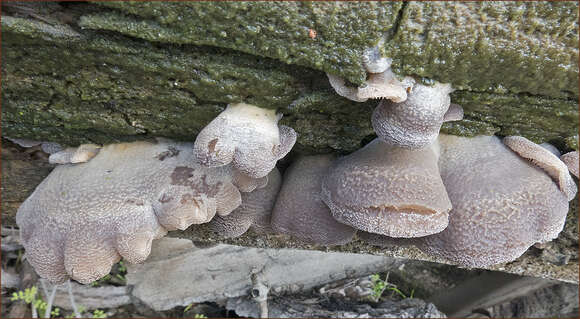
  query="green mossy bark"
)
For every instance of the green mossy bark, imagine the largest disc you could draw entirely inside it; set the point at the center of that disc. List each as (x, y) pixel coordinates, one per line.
(502, 47)
(279, 30)
(75, 85)
(520, 47)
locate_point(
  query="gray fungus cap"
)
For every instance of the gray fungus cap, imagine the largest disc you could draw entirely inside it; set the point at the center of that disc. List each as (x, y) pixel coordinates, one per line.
(502, 203)
(246, 136)
(299, 210)
(388, 190)
(84, 217)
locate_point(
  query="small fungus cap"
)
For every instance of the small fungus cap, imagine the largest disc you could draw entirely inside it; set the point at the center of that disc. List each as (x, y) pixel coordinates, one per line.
(571, 160)
(388, 190)
(247, 136)
(255, 210)
(416, 122)
(299, 210)
(383, 85)
(544, 159)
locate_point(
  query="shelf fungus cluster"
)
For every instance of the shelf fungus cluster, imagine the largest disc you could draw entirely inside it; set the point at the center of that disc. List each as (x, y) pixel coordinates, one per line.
(473, 201)
(107, 203)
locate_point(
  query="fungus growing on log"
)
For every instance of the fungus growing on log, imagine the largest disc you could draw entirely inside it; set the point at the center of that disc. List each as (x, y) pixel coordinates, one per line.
(255, 210)
(74, 155)
(544, 159)
(380, 84)
(571, 160)
(247, 136)
(47, 147)
(416, 122)
(84, 217)
(502, 203)
(299, 210)
(383, 85)
(388, 190)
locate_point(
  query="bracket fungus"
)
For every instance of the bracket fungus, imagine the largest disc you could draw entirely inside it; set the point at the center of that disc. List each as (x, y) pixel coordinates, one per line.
(247, 136)
(571, 160)
(388, 190)
(546, 160)
(299, 210)
(381, 82)
(47, 147)
(84, 217)
(255, 210)
(502, 203)
(416, 122)
(74, 155)
(383, 85)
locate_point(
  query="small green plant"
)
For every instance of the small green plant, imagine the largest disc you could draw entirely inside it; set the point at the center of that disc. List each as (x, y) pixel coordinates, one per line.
(122, 267)
(101, 281)
(188, 307)
(379, 286)
(197, 315)
(121, 272)
(116, 277)
(29, 296)
(394, 289)
(99, 314)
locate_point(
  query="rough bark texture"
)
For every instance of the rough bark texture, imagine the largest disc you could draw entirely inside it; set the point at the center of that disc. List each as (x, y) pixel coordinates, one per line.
(106, 72)
(79, 72)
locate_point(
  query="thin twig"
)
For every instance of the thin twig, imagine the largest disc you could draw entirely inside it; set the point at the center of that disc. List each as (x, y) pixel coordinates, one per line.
(43, 285)
(48, 310)
(33, 309)
(260, 293)
(72, 300)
